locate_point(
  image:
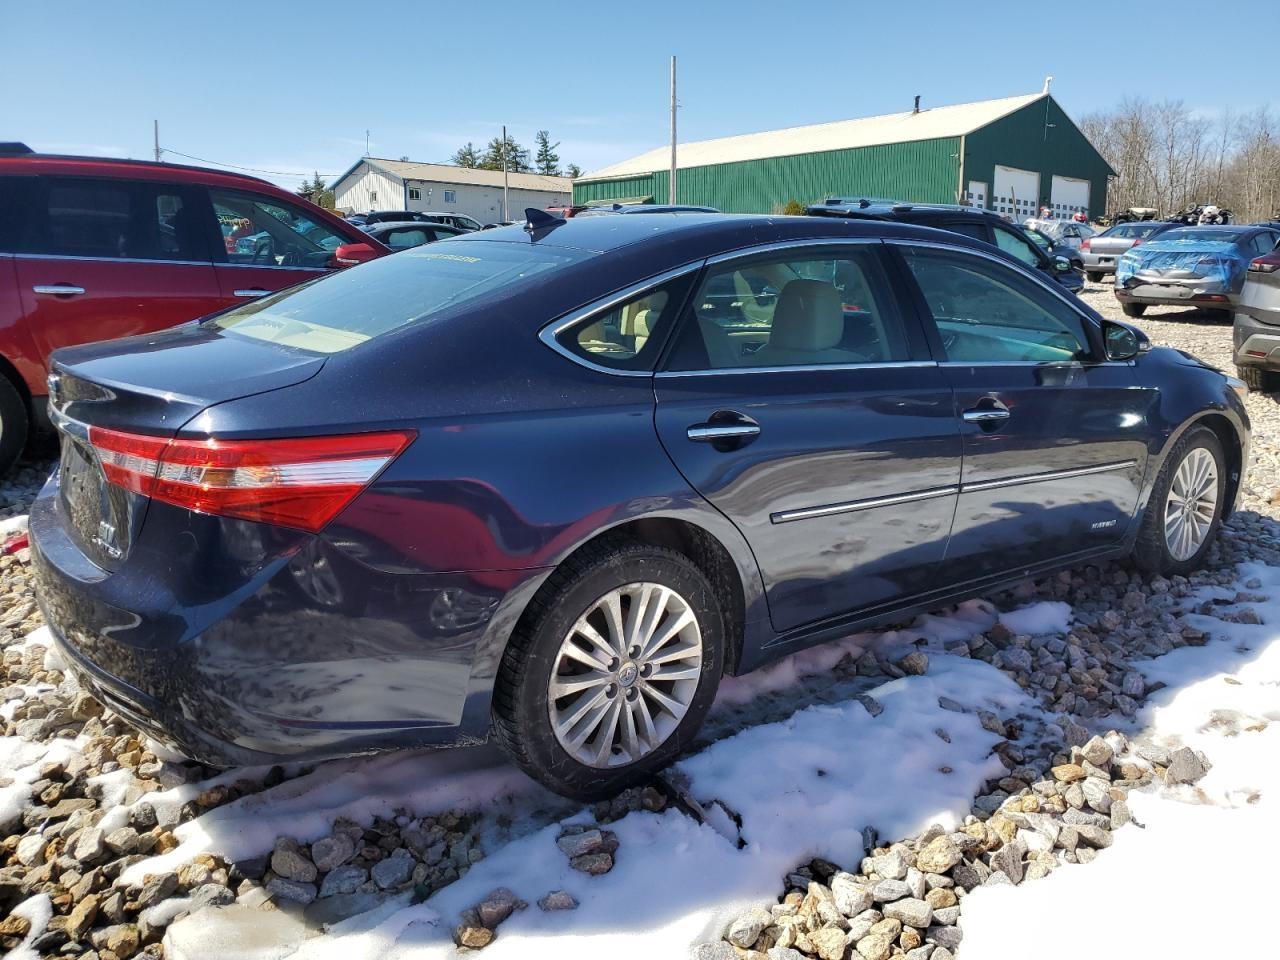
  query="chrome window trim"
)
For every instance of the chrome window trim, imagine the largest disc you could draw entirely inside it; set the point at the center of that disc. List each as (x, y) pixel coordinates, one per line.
(1052, 287)
(1042, 477)
(551, 332)
(807, 368)
(779, 245)
(852, 506)
(67, 256)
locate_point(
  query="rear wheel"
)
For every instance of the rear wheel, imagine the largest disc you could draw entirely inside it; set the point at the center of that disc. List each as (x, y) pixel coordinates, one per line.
(1133, 309)
(1095, 276)
(1185, 510)
(14, 425)
(611, 671)
(1259, 380)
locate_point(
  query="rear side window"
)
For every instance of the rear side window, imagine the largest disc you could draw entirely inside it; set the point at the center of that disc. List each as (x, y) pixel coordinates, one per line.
(1018, 247)
(627, 336)
(976, 230)
(13, 192)
(115, 219)
(344, 309)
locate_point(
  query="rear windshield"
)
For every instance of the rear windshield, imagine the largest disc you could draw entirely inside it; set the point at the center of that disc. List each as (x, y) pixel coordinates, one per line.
(1134, 231)
(1201, 235)
(348, 308)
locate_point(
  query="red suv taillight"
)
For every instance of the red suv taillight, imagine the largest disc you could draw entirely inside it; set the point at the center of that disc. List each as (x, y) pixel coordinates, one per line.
(300, 482)
(1264, 265)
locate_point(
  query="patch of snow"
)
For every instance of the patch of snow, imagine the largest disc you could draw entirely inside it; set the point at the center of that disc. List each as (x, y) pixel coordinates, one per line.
(38, 910)
(1038, 619)
(1147, 887)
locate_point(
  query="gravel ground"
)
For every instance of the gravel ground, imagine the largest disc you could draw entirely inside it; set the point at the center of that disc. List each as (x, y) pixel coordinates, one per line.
(83, 816)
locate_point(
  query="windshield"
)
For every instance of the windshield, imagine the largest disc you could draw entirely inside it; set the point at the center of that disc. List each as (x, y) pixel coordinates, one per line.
(1200, 235)
(347, 308)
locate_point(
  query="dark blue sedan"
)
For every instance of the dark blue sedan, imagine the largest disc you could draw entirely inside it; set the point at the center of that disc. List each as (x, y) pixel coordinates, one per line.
(551, 484)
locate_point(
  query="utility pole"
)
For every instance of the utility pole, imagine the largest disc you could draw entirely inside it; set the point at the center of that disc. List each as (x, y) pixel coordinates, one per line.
(155, 129)
(366, 143)
(671, 180)
(505, 185)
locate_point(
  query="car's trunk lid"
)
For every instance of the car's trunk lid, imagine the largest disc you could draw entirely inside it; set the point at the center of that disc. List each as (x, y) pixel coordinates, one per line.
(1179, 260)
(1110, 246)
(146, 385)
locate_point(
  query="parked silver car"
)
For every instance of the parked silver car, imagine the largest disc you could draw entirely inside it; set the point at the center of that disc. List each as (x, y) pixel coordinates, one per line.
(1101, 252)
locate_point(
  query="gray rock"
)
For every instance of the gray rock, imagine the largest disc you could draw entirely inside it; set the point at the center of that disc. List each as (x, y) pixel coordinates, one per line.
(497, 906)
(30, 851)
(1097, 751)
(343, 880)
(717, 950)
(783, 953)
(210, 895)
(948, 937)
(1096, 837)
(329, 853)
(1133, 684)
(1185, 766)
(946, 915)
(594, 864)
(850, 896)
(1119, 814)
(872, 705)
(946, 703)
(911, 911)
(294, 891)
(889, 890)
(1153, 752)
(394, 871)
(861, 925)
(922, 952)
(1076, 818)
(874, 946)
(90, 845)
(1015, 658)
(914, 664)
(746, 929)
(289, 862)
(915, 880)
(1097, 794)
(156, 888)
(578, 844)
(1008, 860)
(891, 866)
(123, 841)
(557, 900)
(938, 856)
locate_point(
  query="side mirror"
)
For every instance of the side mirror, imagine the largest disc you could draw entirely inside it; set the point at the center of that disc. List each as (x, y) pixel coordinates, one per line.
(1061, 265)
(350, 254)
(1122, 341)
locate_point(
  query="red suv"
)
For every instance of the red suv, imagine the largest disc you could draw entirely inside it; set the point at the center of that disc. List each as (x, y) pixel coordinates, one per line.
(95, 249)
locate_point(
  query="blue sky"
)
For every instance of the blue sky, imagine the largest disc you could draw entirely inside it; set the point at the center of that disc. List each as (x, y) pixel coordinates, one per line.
(293, 87)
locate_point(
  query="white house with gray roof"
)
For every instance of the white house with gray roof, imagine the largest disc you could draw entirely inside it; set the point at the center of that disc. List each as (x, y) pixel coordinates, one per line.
(374, 183)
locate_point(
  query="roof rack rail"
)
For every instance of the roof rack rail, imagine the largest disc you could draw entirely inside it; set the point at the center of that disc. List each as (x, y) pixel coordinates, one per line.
(14, 149)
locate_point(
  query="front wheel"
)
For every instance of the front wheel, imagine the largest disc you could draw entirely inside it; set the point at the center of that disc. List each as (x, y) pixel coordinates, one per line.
(1133, 309)
(1185, 511)
(611, 671)
(1095, 276)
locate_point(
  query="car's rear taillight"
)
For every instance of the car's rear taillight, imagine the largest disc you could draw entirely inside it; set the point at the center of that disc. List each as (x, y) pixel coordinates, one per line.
(1084, 244)
(1136, 243)
(297, 482)
(1264, 265)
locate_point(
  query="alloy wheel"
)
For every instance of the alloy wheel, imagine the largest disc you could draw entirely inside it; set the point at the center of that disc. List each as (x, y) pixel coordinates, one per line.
(625, 675)
(1192, 504)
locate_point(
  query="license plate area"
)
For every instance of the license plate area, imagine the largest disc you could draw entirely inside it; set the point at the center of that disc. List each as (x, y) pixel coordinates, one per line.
(1161, 291)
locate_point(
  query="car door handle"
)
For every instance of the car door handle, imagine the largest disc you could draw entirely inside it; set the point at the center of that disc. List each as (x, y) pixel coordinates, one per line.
(724, 425)
(252, 292)
(986, 414)
(58, 289)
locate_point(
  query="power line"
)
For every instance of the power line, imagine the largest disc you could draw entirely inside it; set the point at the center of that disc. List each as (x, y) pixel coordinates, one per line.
(234, 166)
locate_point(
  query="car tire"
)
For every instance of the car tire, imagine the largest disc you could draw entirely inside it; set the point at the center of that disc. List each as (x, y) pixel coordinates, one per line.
(1133, 309)
(1159, 548)
(14, 425)
(1259, 380)
(1094, 276)
(539, 731)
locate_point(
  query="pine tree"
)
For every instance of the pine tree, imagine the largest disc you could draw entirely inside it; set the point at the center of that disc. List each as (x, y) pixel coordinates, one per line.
(546, 161)
(573, 172)
(517, 156)
(317, 192)
(468, 156)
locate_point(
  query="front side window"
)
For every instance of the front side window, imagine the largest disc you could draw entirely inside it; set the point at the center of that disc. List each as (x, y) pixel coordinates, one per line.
(115, 219)
(793, 310)
(1017, 247)
(986, 312)
(265, 232)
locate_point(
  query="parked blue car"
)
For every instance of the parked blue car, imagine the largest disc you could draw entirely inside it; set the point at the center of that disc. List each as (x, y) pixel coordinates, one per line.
(1192, 266)
(552, 484)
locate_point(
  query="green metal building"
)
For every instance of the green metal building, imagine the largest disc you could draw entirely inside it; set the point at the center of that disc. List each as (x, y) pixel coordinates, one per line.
(1012, 155)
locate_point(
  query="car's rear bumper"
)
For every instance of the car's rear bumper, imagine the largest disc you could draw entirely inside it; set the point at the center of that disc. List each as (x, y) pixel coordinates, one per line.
(1099, 263)
(236, 663)
(1194, 298)
(1257, 344)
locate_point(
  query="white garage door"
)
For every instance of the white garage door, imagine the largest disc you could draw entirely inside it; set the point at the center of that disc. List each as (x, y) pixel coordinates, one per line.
(1016, 193)
(1069, 196)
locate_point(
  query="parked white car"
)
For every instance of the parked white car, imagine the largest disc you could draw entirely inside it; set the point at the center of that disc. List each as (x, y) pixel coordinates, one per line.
(1063, 233)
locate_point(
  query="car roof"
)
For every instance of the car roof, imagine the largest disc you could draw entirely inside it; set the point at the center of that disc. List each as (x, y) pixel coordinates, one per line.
(894, 210)
(689, 236)
(382, 226)
(70, 165)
